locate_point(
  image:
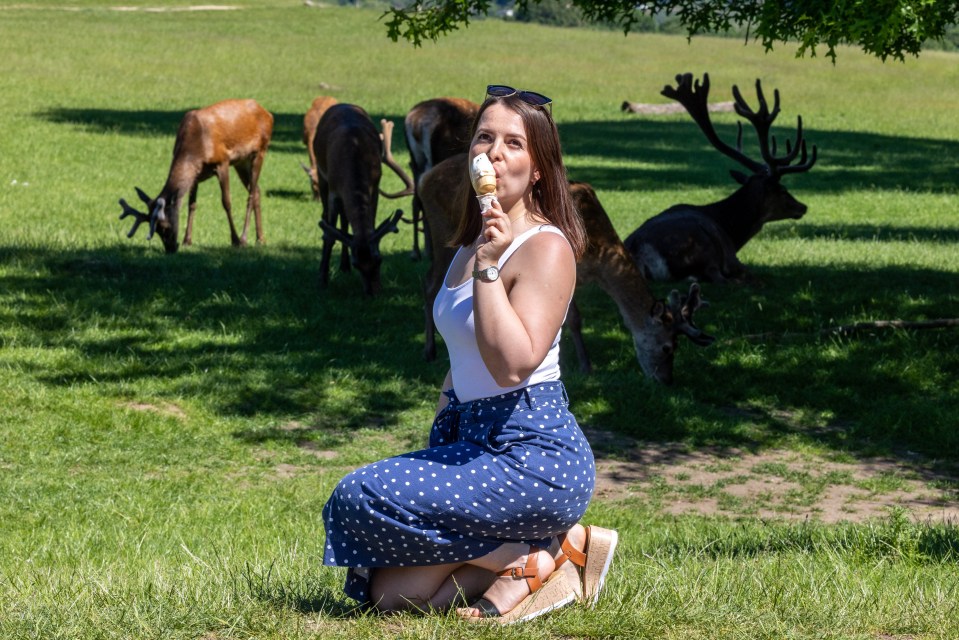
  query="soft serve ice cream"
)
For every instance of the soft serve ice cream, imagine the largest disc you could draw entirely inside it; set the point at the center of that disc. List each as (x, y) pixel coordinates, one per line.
(483, 177)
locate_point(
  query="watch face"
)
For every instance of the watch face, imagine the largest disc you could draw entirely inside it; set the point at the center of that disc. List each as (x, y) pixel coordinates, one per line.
(492, 273)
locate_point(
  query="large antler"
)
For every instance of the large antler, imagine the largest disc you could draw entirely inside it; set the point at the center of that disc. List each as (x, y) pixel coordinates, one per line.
(385, 227)
(387, 137)
(693, 96)
(139, 217)
(762, 120)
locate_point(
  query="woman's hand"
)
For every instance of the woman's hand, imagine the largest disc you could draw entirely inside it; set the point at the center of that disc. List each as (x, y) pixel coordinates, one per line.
(496, 236)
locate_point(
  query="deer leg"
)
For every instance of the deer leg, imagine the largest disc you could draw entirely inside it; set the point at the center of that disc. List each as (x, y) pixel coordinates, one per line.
(191, 210)
(223, 175)
(345, 254)
(574, 322)
(417, 217)
(328, 242)
(249, 175)
(254, 188)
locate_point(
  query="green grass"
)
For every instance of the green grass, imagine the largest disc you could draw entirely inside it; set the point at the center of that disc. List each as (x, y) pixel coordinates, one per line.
(172, 425)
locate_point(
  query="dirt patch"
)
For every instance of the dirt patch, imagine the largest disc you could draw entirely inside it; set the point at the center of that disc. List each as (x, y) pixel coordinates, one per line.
(160, 408)
(772, 484)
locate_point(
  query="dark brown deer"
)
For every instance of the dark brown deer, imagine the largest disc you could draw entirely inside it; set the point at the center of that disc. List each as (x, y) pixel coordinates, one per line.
(349, 152)
(210, 140)
(654, 324)
(435, 130)
(310, 120)
(701, 241)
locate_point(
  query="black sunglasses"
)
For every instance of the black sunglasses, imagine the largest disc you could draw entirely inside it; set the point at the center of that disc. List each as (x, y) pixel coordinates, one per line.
(529, 97)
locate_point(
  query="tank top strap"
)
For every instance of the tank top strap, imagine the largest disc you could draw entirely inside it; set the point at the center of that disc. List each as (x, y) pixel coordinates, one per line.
(523, 237)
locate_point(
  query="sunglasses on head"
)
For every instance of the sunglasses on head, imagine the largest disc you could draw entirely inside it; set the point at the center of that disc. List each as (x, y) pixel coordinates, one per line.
(529, 97)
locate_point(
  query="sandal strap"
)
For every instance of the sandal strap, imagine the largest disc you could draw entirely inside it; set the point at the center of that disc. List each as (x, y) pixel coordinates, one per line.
(571, 553)
(528, 571)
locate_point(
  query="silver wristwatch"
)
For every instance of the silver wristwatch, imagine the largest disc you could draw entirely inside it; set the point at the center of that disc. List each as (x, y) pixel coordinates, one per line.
(489, 274)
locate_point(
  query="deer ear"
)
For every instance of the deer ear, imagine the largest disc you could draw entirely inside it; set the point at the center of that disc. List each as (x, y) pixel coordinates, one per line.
(738, 176)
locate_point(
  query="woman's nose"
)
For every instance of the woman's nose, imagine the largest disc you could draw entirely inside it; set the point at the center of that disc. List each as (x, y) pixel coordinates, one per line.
(495, 150)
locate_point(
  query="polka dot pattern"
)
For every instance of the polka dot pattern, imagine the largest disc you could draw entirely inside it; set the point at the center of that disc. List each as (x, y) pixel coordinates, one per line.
(511, 468)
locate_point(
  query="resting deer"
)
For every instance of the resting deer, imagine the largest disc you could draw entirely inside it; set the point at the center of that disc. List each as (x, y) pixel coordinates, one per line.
(654, 324)
(435, 130)
(348, 153)
(701, 241)
(210, 140)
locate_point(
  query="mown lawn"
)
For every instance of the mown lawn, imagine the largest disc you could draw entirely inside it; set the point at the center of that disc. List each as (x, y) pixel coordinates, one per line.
(170, 426)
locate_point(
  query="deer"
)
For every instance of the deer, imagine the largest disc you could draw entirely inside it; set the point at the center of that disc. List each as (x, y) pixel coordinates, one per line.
(655, 324)
(310, 120)
(231, 133)
(349, 152)
(435, 130)
(701, 241)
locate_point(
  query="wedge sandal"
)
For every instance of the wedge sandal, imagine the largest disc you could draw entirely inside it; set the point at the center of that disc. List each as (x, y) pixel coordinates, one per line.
(543, 597)
(593, 561)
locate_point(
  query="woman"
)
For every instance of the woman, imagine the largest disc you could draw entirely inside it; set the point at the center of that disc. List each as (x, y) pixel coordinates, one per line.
(490, 510)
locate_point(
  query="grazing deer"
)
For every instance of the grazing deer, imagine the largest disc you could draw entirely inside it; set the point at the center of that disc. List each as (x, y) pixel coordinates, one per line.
(701, 241)
(210, 140)
(310, 120)
(435, 130)
(654, 324)
(348, 152)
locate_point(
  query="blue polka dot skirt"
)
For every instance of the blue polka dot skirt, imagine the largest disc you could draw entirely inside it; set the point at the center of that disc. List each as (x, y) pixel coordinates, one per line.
(509, 468)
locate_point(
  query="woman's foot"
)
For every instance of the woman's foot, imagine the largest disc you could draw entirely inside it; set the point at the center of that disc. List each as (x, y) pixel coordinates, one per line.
(513, 585)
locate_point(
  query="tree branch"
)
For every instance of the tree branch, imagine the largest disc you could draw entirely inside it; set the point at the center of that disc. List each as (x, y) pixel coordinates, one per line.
(860, 327)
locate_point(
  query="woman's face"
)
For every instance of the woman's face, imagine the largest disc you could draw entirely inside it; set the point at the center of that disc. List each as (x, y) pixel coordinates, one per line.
(501, 135)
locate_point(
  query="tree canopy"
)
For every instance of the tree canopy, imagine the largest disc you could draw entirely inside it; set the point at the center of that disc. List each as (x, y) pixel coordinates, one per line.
(884, 28)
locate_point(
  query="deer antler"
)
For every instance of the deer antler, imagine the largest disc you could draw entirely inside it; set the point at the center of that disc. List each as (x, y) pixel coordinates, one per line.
(762, 120)
(156, 215)
(682, 309)
(387, 137)
(138, 218)
(694, 96)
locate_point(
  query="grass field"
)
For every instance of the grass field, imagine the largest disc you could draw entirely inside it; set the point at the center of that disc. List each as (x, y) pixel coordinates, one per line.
(170, 426)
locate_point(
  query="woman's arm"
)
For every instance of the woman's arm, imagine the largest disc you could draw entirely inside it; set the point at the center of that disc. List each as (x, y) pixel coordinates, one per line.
(444, 400)
(518, 315)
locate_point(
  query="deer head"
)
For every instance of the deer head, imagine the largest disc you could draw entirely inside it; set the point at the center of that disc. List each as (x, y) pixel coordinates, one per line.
(365, 254)
(668, 319)
(158, 219)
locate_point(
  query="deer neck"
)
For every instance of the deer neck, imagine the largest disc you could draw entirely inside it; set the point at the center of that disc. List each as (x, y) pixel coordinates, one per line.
(740, 215)
(616, 274)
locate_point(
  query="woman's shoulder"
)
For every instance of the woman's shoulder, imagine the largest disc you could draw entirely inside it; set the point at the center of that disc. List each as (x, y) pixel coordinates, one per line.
(545, 243)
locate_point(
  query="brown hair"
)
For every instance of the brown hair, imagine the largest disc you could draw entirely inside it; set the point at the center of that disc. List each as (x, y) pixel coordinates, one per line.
(550, 193)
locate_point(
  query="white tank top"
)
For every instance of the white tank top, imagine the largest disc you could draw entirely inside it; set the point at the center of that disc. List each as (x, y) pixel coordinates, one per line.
(453, 315)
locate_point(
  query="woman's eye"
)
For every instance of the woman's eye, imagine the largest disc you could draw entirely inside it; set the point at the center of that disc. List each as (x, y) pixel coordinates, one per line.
(484, 137)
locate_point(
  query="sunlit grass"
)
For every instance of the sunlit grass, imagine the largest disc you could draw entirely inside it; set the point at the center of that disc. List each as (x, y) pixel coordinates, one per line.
(172, 425)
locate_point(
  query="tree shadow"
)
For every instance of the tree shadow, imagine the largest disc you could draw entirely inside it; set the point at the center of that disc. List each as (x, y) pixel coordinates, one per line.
(676, 148)
(681, 156)
(147, 123)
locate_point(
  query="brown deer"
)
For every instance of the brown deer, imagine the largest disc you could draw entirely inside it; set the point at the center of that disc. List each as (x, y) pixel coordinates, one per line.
(210, 140)
(349, 152)
(435, 130)
(310, 120)
(654, 324)
(701, 241)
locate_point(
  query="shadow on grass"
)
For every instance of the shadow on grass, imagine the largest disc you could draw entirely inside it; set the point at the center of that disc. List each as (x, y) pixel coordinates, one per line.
(249, 333)
(303, 594)
(676, 147)
(896, 537)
